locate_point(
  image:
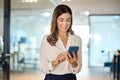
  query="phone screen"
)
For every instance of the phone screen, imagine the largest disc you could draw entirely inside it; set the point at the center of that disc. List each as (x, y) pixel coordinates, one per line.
(73, 49)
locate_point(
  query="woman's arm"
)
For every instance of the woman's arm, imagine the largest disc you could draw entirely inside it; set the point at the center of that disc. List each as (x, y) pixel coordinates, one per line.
(45, 66)
(77, 65)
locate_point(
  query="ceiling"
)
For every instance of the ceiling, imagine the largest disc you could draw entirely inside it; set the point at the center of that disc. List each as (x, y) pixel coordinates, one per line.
(93, 6)
(79, 8)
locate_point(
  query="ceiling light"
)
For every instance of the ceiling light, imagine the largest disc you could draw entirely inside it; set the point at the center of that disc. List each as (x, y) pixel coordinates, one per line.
(68, 0)
(87, 13)
(63, 0)
(29, 1)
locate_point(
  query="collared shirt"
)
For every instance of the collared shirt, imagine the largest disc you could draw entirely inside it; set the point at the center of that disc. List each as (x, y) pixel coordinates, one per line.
(49, 53)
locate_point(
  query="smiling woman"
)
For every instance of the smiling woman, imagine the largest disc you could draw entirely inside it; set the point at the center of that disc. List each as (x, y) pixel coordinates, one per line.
(54, 54)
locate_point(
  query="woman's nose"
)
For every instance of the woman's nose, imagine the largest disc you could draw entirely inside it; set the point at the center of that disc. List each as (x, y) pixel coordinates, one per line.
(65, 22)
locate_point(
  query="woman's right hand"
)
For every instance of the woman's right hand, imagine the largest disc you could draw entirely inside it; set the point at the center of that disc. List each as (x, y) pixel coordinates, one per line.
(60, 58)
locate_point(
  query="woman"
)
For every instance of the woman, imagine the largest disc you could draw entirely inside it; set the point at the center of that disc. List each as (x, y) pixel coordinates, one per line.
(55, 60)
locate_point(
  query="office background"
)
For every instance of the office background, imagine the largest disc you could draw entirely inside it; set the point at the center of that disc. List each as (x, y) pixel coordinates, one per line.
(96, 22)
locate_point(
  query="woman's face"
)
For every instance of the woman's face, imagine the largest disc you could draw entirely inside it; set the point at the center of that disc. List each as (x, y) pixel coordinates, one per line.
(64, 22)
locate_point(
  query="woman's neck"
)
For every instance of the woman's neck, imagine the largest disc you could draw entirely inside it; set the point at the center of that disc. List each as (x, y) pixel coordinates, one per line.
(64, 38)
(63, 35)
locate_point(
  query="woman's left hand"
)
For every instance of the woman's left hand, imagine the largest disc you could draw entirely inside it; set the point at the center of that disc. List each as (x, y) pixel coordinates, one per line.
(72, 59)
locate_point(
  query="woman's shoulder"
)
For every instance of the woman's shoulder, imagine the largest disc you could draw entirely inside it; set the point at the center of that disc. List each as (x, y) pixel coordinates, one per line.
(75, 36)
(44, 37)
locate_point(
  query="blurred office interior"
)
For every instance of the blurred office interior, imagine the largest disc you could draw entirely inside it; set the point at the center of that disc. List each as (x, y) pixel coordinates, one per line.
(97, 22)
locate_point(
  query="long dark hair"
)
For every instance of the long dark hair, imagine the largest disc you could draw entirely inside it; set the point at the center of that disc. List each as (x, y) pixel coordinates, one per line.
(60, 9)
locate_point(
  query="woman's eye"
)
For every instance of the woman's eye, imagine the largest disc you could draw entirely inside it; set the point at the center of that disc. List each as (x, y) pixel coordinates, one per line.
(61, 20)
(68, 20)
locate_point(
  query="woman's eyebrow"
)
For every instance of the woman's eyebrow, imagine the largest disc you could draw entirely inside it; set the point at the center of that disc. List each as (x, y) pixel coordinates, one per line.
(63, 18)
(60, 18)
(69, 18)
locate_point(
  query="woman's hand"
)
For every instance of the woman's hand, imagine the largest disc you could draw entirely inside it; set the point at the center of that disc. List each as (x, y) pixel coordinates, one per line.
(60, 58)
(72, 59)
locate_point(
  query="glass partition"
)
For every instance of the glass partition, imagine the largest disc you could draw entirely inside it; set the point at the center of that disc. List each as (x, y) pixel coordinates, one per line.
(26, 33)
(104, 38)
(29, 22)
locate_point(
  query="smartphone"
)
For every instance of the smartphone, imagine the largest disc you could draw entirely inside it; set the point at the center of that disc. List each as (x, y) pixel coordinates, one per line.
(73, 49)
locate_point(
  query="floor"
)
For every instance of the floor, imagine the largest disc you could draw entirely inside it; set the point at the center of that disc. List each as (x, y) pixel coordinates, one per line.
(92, 73)
(85, 74)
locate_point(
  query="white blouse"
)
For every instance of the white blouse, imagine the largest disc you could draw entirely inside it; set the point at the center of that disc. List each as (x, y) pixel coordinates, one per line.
(49, 53)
